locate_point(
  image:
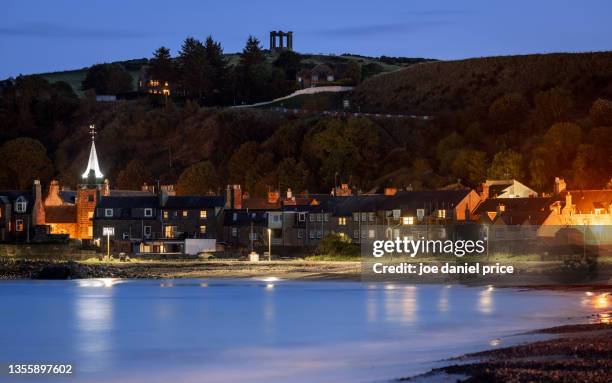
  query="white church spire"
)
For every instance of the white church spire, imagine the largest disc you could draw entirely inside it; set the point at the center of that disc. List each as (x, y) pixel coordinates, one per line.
(92, 164)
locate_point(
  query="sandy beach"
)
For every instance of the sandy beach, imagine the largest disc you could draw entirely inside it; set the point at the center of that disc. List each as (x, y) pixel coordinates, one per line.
(295, 269)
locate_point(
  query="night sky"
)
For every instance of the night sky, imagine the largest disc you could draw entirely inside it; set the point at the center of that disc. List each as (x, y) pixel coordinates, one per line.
(42, 36)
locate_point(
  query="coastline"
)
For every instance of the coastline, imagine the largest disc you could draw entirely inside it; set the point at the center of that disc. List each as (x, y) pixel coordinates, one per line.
(574, 353)
(292, 269)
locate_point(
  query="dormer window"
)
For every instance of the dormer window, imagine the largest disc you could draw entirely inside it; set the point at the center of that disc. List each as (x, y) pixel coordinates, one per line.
(21, 205)
(148, 212)
(108, 212)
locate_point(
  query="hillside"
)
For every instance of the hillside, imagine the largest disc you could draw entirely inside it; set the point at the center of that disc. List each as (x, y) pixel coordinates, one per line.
(435, 87)
(372, 65)
(532, 118)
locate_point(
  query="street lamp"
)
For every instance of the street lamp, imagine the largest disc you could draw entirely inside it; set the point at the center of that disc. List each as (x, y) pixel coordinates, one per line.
(269, 244)
(108, 231)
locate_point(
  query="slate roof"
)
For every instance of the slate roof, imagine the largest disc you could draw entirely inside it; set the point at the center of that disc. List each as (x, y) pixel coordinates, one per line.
(533, 210)
(194, 202)
(61, 214)
(587, 200)
(128, 202)
(68, 196)
(129, 193)
(13, 195)
(346, 206)
(245, 217)
(426, 199)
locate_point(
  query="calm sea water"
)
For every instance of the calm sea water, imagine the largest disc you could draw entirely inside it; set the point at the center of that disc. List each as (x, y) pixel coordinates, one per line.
(263, 330)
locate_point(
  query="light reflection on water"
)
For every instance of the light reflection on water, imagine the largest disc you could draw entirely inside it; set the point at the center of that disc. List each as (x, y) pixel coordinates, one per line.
(266, 330)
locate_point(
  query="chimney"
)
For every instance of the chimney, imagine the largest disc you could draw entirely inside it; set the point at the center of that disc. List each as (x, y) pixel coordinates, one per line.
(233, 197)
(106, 188)
(390, 191)
(273, 196)
(38, 212)
(485, 192)
(53, 198)
(560, 185)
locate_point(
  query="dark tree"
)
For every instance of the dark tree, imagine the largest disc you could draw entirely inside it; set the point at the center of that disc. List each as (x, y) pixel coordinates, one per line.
(108, 79)
(198, 179)
(252, 73)
(162, 66)
(134, 175)
(218, 67)
(289, 62)
(24, 160)
(195, 69)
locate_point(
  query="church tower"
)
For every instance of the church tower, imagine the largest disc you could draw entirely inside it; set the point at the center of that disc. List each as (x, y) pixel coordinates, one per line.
(88, 193)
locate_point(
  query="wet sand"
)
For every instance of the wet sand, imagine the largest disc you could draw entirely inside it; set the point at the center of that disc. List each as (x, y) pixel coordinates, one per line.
(576, 353)
(21, 269)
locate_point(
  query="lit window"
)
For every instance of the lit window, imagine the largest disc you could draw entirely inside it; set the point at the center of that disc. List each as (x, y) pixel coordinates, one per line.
(202, 229)
(20, 206)
(408, 220)
(234, 232)
(169, 231)
(108, 212)
(19, 224)
(371, 233)
(165, 213)
(203, 214)
(342, 221)
(364, 217)
(356, 217)
(441, 213)
(371, 217)
(235, 217)
(420, 214)
(148, 212)
(185, 213)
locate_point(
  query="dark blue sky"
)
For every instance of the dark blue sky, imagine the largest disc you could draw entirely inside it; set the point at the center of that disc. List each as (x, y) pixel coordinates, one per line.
(40, 36)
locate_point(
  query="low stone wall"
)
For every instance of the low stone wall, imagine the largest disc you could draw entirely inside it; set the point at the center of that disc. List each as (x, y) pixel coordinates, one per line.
(47, 251)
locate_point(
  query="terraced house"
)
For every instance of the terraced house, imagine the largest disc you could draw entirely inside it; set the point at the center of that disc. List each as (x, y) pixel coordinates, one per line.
(160, 224)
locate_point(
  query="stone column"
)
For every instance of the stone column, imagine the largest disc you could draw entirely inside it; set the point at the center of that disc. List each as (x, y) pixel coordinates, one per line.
(281, 35)
(272, 41)
(290, 40)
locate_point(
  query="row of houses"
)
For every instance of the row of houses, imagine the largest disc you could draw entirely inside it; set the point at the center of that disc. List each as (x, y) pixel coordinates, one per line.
(157, 222)
(154, 220)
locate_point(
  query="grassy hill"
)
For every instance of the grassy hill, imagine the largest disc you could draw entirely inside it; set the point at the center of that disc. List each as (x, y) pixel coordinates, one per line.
(435, 87)
(373, 65)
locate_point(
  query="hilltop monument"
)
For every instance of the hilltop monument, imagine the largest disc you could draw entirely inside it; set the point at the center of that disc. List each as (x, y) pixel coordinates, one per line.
(284, 39)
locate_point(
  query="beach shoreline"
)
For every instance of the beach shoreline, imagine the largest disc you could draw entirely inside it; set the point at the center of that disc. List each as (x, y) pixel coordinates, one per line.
(161, 269)
(573, 353)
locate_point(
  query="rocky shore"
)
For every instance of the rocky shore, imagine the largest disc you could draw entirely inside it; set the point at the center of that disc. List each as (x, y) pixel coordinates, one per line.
(30, 269)
(577, 353)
